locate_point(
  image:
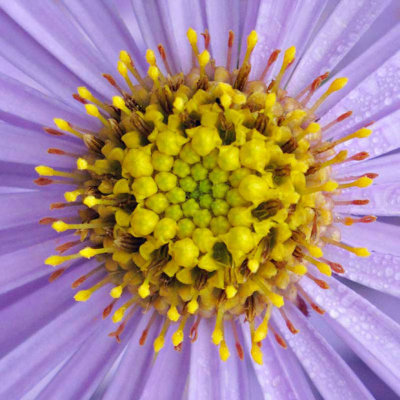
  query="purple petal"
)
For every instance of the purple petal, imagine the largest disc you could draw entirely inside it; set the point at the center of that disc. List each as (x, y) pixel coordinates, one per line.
(370, 333)
(330, 374)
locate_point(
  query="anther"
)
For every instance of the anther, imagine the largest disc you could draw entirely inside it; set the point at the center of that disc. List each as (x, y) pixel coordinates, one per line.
(358, 251)
(160, 340)
(53, 132)
(87, 95)
(84, 295)
(123, 70)
(66, 246)
(207, 39)
(107, 310)
(350, 220)
(163, 55)
(351, 202)
(320, 79)
(279, 339)
(341, 118)
(336, 267)
(127, 60)
(120, 312)
(92, 110)
(272, 58)
(288, 58)
(238, 346)
(194, 329)
(322, 267)
(66, 126)
(307, 298)
(231, 38)
(113, 83)
(262, 330)
(56, 274)
(146, 330)
(79, 98)
(83, 278)
(288, 322)
(321, 283)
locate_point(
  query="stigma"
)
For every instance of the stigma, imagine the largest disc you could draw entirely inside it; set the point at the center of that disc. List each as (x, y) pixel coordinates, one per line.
(205, 195)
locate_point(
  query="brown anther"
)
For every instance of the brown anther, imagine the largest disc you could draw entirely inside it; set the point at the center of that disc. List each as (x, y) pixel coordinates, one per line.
(78, 282)
(250, 309)
(201, 278)
(368, 124)
(371, 175)
(115, 128)
(93, 143)
(66, 246)
(47, 221)
(57, 206)
(163, 55)
(239, 350)
(297, 253)
(194, 329)
(242, 77)
(360, 202)
(322, 284)
(202, 83)
(43, 181)
(206, 36)
(132, 104)
(267, 209)
(261, 123)
(143, 337)
(53, 132)
(336, 267)
(317, 308)
(166, 99)
(344, 116)
(56, 151)
(178, 348)
(79, 98)
(279, 339)
(302, 305)
(358, 157)
(56, 274)
(127, 242)
(312, 169)
(290, 146)
(283, 171)
(113, 83)
(140, 124)
(226, 129)
(189, 121)
(108, 309)
(272, 58)
(368, 219)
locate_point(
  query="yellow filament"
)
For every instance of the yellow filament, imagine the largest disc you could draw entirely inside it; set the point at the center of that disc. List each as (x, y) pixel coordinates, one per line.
(329, 186)
(65, 126)
(120, 312)
(84, 295)
(47, 171)
(336, 85)
(120, 103)
(360, 182)
(288, 57)
(322, 267)
(178, 336)
(61, 226)
(89, 252)
(358, 251)
(251, 43)
(160, 339)
(262, 329)
(92, 110)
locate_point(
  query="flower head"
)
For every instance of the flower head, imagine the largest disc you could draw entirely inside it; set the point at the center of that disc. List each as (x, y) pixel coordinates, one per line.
(215, 200)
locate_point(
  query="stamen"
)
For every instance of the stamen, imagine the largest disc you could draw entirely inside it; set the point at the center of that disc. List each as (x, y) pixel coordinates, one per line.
(288, 58)
(336, 85)
(57, 260)
(194, 329)
(337, 120)
(279, 339)
(358, 251)
(64, 126)
(123, 70)
(163, 55)
(61, 226)
(116, 292)
(66, 246)
(322, 267)
(127, 60)
(113, 83)
(322, 284)
(120, 312)
(252, 40)
(360, 182)
(192, 37)
(335, 266)
(207, 39)
(272, 58)
(329, 186)
(121, 328)
(308, 299)
(87, 95)
(255, 351)
(79, 98)
(312, 85)
(92, 110)
(145, 332)
(351, 202)
(289, 323)
(350, 220)
(231, 39)
(56, 274)
(218, 333)
(178, 336)
(239, 348)
(120, 104)
(47, 171)
(108, 309)
(160, 340)
(84, 295)
(83, 278)
(89, 252)
(53, 132)
(262, 330)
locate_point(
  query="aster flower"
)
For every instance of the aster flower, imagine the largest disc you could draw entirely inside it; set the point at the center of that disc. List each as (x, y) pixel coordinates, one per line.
(213, 199)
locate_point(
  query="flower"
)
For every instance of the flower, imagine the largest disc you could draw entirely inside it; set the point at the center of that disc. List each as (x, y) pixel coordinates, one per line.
(214, 190)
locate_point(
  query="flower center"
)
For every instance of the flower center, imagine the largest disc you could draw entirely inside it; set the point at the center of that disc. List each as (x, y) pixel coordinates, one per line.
(206, 194)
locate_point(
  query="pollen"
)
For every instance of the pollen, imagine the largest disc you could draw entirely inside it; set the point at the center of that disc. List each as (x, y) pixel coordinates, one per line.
(204, 195)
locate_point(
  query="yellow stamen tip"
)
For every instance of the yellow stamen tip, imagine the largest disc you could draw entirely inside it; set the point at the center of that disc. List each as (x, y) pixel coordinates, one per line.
(313, 128)
(116, 292)
(125, 57)
(299, 269)
(330, 186)
(144, 290)
(276, 299)
(192, 306)
(192, 36)
(88, 252)
(158, 344)
(59, 226)
(150, 57)
(204, 58)
(61, 124)
(177, 337)
(45, 171)
(122, 69)
(289, 56)
(118, 315)
(90, 201)
(83, 295)
(363, 133)
(324, 269)
(92, 110)
(81, 163)
(54, 260)
(252, 40)
(361, 252)
(224, 351)
(261, 332)
(363, 182)
(179, 104)
(257, 354)
(315, 251)
(71, 196)
(173, 314)
(118, 102)
(337, 84)
(230, 291)
(217, 336)
(84, 92)
(153, 73)
(253, 265)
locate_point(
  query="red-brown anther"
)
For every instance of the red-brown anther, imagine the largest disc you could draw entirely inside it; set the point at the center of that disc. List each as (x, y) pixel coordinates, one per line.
(178, 348)
(322, 284)
(206, 36)
(351, 202)
(66, 246)
(360, 202)
(47, 221)
(345, 115)
(113, 83)
(368, 124)
(362, 155)
(53, 132)
(239, 350)
(370, 175)
(108, 309)
(302, 305)
(194, 330)
(78, 282)
(368, 219)
(56, 151)
(163, 55)
(231, 38)
(143, 337)
(56, 274)
(43, 181)
(280, 341)
(118, 332)
(272, 58)
(291, 327)
(317, 308)
(335, 266)
(56, 206)
(79, 98)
